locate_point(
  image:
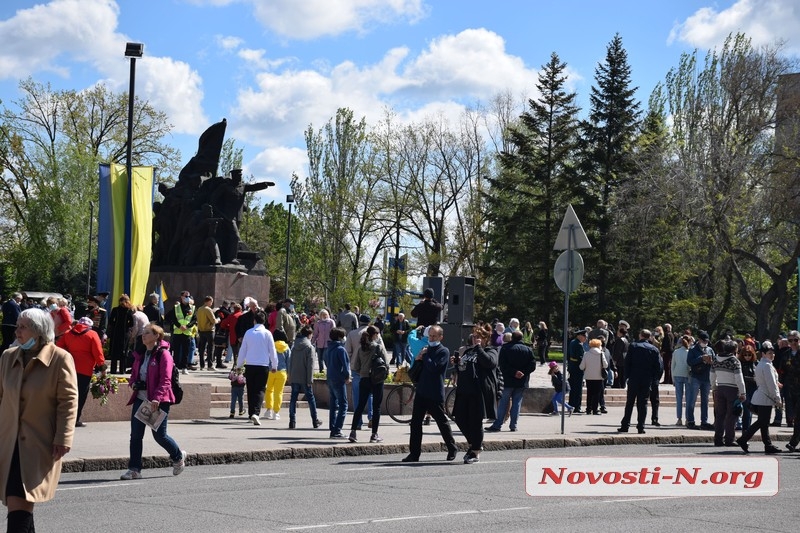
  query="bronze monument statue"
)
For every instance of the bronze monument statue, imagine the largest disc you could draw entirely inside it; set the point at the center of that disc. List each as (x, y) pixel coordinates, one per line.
(197, 223)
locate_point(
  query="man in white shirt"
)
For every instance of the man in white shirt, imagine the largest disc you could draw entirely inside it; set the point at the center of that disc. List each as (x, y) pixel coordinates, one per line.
(257, 354)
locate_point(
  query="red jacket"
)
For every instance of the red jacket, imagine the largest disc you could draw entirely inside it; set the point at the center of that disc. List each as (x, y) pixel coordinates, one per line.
(229, 323)
(85, 346)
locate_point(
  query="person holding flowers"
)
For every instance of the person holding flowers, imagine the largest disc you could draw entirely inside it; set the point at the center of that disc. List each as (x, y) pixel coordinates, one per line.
(151, 381)
(87, 352)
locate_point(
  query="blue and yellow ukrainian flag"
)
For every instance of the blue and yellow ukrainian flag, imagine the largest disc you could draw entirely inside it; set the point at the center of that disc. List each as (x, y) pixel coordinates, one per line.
(120, 231)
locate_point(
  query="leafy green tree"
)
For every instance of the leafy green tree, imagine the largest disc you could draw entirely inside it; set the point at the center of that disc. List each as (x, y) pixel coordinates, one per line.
(736, 172)
(609, 135)
(527, 197)
(50, 145)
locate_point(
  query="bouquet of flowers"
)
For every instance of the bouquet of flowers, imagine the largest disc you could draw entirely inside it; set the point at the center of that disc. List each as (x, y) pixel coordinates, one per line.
(102, 385)
(237, 376)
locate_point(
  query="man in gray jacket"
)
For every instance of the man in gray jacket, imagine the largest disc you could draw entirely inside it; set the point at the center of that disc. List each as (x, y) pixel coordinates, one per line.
(301, 375)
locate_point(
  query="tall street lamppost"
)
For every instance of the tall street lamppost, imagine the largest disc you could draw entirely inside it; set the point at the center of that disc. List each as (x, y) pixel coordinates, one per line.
(289, 200)
(132, 50)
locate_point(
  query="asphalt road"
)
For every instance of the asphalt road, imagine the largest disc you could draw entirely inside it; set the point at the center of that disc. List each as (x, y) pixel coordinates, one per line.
(379, 493)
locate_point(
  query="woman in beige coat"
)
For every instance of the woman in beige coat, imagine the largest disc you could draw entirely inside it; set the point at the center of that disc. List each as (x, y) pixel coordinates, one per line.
(38, 407)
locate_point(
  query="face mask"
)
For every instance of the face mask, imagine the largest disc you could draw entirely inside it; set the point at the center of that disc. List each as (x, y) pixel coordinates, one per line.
(186, 300)
(28, 345)
(434, 343)
(53, 307)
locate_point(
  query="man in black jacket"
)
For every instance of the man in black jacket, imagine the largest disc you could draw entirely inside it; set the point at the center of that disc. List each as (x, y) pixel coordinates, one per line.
(642, 368)
(427, 311)
(516, 362)
(429, 396)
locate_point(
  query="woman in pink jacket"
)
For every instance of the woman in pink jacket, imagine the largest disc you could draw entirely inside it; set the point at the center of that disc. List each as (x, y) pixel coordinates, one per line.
(151, 381)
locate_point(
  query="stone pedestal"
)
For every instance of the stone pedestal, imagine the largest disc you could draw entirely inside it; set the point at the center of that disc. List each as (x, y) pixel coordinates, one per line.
(223, 283)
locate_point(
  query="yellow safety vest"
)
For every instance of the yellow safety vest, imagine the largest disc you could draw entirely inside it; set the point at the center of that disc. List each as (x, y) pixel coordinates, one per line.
(182, 320)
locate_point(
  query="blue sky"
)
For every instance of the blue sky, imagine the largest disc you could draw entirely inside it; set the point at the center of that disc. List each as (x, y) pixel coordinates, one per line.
(272, 67)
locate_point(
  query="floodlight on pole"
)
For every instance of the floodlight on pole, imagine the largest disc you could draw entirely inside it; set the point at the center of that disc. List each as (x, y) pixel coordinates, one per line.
(132, 51)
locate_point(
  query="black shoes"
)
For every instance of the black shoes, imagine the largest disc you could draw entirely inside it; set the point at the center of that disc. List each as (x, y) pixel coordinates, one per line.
(640, 431)
(772, 450)
(603, 410)
(743, 444)
(491, 429)
(451, 453)
(691, 425)
(706, 425)
(427, 421)
(292, 424)
(317, 423)
(622, 430)
(411, 459)
(790, 447)
(656, 424)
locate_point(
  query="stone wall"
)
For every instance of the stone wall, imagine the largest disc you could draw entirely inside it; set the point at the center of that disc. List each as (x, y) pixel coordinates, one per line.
(196, 404)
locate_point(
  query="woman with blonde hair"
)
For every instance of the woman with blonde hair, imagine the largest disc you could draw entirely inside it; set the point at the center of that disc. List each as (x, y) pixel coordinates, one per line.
(593, 364)
(151, 381)
(542, 342)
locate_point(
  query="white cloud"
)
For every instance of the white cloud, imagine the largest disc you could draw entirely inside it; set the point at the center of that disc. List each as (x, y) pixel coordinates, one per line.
(173, 87)
(277, 165)
(456, 70)
(35, 39)
(764, 21)
(473, 62)
(47, 38)
(228, 42)
(309, 19)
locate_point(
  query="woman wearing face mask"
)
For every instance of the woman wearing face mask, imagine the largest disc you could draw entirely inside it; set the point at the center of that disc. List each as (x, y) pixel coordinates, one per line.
(62, 319)
(42, 408)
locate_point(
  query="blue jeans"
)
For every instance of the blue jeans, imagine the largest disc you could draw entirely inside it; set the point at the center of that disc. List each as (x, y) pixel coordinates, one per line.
(357, 420)
(337, 406)
(558, 399)
(163, 440)
(237, 395)
(680, 384)
(312, 402)
(704, 388)
(513, 395)
(401, 353)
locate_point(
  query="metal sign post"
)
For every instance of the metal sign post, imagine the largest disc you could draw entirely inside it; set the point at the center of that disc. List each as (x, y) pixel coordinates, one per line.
(568, 274)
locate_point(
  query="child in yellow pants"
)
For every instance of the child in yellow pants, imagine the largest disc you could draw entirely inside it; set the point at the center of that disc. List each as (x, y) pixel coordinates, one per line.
(277, 377)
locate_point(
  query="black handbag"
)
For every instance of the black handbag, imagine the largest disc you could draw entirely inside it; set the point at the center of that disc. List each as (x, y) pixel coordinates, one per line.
(415, 372)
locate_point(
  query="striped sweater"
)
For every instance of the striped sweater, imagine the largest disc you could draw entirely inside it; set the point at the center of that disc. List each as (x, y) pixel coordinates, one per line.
(726, 371)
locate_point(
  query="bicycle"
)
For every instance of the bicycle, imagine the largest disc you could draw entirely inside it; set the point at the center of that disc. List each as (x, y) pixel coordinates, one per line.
(400, 402)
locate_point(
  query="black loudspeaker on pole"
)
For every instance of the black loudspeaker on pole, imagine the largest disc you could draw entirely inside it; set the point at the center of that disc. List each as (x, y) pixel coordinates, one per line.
(460, 300)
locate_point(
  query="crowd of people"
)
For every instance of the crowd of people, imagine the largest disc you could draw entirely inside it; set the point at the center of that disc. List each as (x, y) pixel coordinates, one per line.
(270, 347)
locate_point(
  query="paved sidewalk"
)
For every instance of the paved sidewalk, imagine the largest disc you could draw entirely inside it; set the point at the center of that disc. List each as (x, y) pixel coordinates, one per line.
(219, 440)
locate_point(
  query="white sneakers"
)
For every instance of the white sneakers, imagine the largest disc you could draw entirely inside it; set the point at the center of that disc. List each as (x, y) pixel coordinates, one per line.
(256, 420)
(270, 415)
(131, 474)
(184, 371)
(178, 467)
(276, 416)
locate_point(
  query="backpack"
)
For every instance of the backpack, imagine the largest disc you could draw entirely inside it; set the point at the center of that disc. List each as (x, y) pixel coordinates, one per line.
(175, 381)
(379, 369)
